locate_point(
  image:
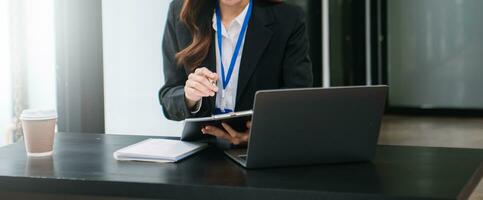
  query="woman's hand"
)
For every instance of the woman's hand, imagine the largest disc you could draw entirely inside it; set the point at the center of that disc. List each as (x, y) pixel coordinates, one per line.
(200, 84)
(229, 133)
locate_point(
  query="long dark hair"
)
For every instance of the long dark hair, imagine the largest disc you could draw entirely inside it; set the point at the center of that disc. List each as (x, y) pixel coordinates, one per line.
(197, 16)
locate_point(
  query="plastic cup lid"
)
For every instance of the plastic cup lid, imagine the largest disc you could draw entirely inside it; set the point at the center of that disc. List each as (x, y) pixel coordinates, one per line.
(38, 114)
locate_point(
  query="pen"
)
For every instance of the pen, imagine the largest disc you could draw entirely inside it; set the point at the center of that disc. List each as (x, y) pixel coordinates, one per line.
(213, 82)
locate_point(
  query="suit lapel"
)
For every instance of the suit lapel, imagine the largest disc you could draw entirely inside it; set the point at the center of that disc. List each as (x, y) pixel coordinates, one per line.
(257, 38)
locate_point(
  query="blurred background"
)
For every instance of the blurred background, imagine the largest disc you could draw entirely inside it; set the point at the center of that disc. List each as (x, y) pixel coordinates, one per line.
(99, 64)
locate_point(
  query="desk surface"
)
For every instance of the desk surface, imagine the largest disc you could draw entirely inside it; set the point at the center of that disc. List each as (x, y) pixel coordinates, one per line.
(83, 165)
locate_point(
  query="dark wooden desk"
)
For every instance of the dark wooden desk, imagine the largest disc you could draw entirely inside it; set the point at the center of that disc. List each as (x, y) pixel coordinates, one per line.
(83, 165)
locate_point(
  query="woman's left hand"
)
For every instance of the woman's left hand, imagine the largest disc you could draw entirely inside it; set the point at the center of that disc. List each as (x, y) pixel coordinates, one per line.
(229, 134)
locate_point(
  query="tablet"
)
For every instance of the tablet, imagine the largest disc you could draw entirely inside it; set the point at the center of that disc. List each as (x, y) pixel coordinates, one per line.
(192, 126)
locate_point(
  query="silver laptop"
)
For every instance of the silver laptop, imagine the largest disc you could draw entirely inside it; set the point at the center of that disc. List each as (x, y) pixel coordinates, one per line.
(313, 126)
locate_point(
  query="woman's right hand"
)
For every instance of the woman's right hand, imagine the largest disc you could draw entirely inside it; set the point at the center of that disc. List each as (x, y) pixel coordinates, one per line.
(201, 83)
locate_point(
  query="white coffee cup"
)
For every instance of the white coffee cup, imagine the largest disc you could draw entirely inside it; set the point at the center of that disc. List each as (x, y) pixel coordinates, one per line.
(39, 131)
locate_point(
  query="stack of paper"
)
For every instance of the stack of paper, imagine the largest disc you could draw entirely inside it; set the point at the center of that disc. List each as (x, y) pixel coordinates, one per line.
(158, 150)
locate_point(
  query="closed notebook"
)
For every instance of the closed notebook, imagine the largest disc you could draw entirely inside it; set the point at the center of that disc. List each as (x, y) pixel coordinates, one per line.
(158, 150)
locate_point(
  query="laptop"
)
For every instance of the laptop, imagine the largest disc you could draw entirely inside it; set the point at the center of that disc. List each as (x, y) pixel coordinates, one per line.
(313, 126)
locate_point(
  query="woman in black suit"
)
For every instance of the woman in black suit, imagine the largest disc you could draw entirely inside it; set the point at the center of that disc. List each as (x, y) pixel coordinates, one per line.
(262, 45)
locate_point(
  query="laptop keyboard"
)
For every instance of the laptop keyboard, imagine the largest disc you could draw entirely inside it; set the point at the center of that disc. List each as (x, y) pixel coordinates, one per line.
(239, 153)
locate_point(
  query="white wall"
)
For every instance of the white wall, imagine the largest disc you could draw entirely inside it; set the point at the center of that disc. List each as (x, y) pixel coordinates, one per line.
(132, 33)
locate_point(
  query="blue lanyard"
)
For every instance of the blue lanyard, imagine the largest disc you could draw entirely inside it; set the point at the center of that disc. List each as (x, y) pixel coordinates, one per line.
(226, 79)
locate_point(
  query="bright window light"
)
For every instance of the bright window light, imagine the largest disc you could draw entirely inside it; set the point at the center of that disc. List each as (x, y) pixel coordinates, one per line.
(5, 73)
(33, 47)
(40, 53)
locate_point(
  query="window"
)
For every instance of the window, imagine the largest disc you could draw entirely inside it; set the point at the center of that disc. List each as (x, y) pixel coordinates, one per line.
(27, 60)
(133, 70)
(6, 113)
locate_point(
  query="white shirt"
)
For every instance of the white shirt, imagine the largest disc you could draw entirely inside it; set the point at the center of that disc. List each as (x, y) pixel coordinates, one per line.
(229, 38)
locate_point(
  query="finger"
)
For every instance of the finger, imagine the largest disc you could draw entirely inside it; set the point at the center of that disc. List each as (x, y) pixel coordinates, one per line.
(249, 124)
(233, 133)
(224, 135)
(246, 137)
(206, 72)
(211, 130)
(191, 92)
(192, 87)
(219, 133)
(199, 87)
(203, 80)
(236, 141)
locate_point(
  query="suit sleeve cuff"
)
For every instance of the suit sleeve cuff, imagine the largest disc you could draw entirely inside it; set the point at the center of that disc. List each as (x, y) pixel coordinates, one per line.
(197, 107)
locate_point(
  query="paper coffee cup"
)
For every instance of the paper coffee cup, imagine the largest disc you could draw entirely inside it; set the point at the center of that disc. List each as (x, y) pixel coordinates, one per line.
(39, 131)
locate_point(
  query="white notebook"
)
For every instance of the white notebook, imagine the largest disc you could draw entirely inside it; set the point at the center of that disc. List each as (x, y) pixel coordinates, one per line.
(158, 150)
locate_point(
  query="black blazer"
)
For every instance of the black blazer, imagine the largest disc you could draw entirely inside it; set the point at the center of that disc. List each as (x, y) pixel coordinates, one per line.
(275, 55)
